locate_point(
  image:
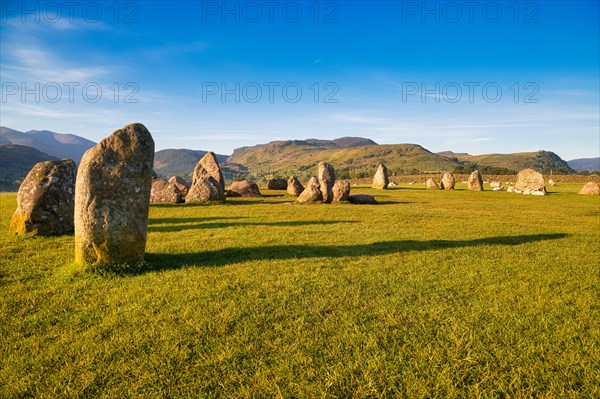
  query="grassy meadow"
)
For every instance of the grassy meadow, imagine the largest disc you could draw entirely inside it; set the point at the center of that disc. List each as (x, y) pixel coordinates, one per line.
(447, 294)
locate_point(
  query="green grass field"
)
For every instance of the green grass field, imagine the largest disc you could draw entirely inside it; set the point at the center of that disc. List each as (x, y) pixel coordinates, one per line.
(428, 294)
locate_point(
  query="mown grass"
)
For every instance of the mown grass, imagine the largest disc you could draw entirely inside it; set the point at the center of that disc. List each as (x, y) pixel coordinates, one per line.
(429, 294)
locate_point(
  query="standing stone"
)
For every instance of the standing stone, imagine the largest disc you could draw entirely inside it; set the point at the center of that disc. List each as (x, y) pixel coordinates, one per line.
(205, 189)
(208, 166)
(431, 184)
(448, 181)
(341, 190)
(326, 181)
(475, 182)
(180, 183)
(590, 188)
(312, 192)
(277, 184)
(243, 188)
(381, 180)
(165, 192)
(530, 179)
(112, 197)
(294, 187)
(46, 200)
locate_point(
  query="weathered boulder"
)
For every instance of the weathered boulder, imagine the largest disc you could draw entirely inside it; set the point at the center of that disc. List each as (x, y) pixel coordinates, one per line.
(243, 188)
(475, 182)
(590, 188)
(165, 192)
(294, 187)
(361, 199)
(208, 166)
(46, 200)
(511, 189)
(551, 182)
(495, 184)
(112, 197)
(341, 190)
(530, 179)
(180, 183)
(205, 189)
(381, 180)
(431, 184)
(312, 192)
(448, 181)
(326, 181)
(277, 184)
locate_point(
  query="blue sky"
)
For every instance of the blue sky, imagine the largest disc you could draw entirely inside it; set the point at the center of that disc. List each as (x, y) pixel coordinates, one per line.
(475, 77)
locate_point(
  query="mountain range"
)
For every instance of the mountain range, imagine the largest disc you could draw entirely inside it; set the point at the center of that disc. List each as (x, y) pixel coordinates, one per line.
(58, 145)
(351, 156)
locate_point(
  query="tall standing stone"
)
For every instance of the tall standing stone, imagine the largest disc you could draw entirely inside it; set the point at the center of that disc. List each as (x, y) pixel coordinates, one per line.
(112, 197)
(448, 181)
(208, 166)
(381, 180)
(326, 181)
(46, 200)
(530, 179)
(475, 182)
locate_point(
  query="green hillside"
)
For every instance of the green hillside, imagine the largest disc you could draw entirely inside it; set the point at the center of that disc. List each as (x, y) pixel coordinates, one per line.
(300, 158)
(15, 162)
(543, 161)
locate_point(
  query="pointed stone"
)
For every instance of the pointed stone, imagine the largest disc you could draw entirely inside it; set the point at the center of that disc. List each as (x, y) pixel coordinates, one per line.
(209, 166)
(381, 180)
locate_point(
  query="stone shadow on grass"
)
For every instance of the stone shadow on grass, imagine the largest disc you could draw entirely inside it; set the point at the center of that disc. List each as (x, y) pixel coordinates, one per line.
(227, 256)
(220, 225)
(155, 221)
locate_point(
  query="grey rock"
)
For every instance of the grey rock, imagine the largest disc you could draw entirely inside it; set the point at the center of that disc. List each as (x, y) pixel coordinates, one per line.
(381, 180)
(362, 199)
(475, 182)
(448, 181)
(294, 187)
(112, 198)
(165, 192)
(326, 181)
(46, 200)
(341, 190)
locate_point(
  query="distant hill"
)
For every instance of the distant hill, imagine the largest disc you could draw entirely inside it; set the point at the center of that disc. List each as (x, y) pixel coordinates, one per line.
(589, 164)
(15, 162)
(301, 157)
(181, 162)
(55, 144)
(544, 161)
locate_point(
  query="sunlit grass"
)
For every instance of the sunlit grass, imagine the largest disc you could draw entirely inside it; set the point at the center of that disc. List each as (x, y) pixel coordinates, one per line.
(429, 294)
